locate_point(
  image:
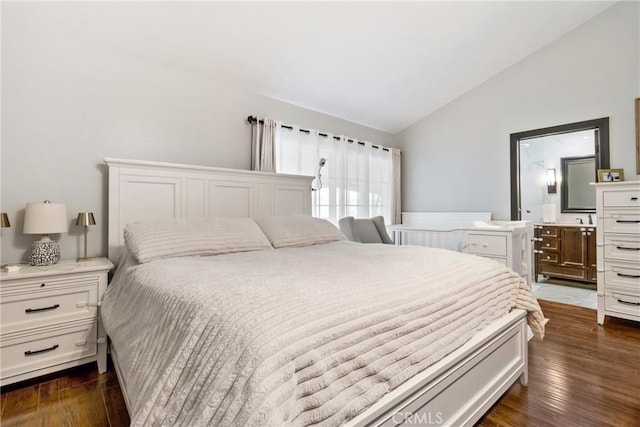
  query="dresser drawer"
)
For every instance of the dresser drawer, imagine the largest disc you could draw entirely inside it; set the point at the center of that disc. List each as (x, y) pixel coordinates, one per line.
(622, 247)
(485, 244)
(47, 306)
(623, 276)
(20, 354)
(622, 223)
(622, 302)
(626, 198)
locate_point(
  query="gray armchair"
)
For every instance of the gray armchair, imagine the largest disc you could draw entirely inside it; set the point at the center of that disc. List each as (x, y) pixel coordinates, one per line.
(365, 230)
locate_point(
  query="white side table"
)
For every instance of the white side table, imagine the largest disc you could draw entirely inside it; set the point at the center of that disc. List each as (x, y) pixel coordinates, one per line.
(49, 318)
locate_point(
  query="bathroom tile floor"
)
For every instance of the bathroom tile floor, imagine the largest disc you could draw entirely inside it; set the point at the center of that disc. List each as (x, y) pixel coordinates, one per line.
(565, 292)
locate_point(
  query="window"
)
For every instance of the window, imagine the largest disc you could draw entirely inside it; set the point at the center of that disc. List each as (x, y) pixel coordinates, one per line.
(357, 179)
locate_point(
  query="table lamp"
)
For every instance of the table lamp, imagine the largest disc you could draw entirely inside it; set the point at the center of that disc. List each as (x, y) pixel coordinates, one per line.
(45, 218)
(4, 223)
(4, 219)
(85, 219)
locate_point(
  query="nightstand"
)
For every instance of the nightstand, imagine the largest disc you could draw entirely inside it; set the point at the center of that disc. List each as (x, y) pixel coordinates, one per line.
(49, 318)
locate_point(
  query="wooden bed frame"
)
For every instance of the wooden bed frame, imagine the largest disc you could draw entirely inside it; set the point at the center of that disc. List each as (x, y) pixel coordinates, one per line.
(455, 391)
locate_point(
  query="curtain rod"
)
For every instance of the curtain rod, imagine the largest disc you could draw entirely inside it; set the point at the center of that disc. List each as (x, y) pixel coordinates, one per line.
(252, 119)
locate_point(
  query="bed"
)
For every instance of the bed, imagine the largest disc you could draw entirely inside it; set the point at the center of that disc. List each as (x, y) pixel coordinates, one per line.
(283, 322)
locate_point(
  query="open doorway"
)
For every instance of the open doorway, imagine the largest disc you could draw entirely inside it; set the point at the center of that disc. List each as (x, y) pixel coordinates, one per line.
(551, 171)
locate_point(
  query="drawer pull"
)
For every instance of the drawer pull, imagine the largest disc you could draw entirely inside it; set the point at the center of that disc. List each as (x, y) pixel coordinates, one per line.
(622, 248)
(627, 302)
(35, 310)
(628, 221)
(634, 199)
(31, 353)
(632, 276)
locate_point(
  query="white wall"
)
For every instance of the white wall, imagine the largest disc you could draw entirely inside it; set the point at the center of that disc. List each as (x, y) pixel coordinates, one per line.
(67, 105)
(457, 158)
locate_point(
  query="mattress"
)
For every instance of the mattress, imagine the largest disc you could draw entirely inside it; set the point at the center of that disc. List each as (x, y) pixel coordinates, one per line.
(295, 336)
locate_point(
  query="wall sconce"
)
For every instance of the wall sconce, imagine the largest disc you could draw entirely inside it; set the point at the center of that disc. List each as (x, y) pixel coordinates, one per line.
(552, 183)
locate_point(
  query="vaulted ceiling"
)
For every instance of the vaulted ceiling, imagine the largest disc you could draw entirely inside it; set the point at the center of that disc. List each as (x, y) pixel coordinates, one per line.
(380, 64)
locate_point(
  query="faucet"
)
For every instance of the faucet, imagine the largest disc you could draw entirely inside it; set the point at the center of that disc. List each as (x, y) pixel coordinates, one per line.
(580, 219)
(590, 219)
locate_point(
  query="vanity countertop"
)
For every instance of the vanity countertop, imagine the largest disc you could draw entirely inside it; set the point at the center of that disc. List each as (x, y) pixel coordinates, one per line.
(568, 224)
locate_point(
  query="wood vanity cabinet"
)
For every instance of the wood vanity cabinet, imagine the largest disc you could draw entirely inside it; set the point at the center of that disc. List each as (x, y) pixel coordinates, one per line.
(566, 252)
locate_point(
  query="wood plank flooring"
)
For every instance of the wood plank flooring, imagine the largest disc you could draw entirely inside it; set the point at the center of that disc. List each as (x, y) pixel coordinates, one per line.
(75, 397)
(582, 374)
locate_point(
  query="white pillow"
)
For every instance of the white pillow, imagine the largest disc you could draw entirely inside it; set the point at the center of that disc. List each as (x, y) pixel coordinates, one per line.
(298, 230)
(148, 241)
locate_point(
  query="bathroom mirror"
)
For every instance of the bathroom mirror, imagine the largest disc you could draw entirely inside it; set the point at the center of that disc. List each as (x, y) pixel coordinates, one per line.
(577, 194)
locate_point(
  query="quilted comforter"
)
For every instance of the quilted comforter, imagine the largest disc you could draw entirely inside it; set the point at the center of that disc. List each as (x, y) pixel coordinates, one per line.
(295, 336)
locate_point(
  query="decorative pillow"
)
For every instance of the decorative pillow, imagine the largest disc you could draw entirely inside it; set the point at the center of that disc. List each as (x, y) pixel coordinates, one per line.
(298, 230)
(150, 241)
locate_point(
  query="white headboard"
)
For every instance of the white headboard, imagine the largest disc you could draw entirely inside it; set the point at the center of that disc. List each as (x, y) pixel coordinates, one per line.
(143, 191)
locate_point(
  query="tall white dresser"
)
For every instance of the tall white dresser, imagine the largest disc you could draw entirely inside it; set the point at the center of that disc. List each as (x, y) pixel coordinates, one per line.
(618, 249)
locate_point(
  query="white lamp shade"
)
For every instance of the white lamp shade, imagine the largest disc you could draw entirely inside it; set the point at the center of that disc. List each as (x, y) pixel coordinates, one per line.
(45, 218)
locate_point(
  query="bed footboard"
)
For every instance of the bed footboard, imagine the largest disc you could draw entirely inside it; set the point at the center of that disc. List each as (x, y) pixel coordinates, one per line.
(460, 389)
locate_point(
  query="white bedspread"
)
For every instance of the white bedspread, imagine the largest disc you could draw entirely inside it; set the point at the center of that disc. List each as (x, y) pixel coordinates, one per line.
(298, 336)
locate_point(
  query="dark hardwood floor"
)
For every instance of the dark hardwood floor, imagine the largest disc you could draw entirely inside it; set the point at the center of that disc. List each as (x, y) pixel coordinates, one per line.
(581, 375)
(75, 397)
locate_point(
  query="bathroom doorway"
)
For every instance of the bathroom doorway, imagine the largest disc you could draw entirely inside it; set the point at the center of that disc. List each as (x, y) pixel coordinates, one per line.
(551, 172)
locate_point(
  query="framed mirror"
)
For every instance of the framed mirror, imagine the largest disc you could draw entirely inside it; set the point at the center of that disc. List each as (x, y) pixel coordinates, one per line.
(577, 193)
(600, 128)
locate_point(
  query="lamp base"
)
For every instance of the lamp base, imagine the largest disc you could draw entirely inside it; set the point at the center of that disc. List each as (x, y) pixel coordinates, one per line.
(85, 259)
(44, 252)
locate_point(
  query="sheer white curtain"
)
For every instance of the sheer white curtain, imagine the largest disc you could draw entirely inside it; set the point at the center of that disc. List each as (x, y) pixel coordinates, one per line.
(263, 137)
(357, 180)
(396, 202)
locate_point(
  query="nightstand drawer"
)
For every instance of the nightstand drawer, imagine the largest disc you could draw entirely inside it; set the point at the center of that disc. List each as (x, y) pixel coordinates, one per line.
(484, 244)
(43, 308)
(34, 286)
(25, 353)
